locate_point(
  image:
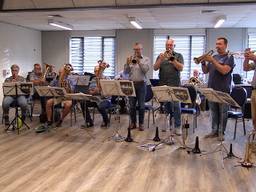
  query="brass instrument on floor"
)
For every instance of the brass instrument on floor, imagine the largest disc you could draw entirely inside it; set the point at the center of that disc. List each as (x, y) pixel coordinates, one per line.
(198, 60)
(249, 148)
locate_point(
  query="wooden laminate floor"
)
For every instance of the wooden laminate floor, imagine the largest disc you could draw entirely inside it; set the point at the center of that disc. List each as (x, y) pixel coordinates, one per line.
(68, 159)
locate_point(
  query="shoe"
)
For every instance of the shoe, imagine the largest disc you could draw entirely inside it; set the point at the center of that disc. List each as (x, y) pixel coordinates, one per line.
(163, 129)
(132, 126)
(221, 138)
(59, 123)
(41, 128)
(177, 131)
(211, 135)
(6, 121)
(87, 125)
(104, 124)
(141, 127)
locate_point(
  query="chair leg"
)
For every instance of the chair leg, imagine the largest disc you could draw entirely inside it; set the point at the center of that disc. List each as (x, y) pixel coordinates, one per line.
(148, 118)
(153, 116)
(244, 126)
(235, 131)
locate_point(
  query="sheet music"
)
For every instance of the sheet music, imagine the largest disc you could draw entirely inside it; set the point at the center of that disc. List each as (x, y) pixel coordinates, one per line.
(23, 88)
(117, 87)
(169, 94)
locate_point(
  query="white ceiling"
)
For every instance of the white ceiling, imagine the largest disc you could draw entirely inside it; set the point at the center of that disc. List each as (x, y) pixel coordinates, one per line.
(188, 16)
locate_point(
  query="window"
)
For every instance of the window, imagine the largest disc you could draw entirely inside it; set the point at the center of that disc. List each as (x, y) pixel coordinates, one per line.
(189, 46)
(86, 51)
(252, 45)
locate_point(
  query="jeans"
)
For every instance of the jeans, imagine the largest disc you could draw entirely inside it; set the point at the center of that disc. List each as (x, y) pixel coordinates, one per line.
(216, 110)
(169, 107)
(21, 102)
(140, 90)
(102, 108)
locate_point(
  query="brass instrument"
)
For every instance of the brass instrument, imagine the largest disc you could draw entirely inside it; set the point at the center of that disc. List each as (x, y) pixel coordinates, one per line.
(98, 71)
(168, 55)
(63, 82)
(198, 60)
(47, 69)
(249, 148)
(195, 81)
(132, 60)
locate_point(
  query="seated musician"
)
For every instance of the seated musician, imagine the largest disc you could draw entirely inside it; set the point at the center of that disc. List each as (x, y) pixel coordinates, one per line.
(49, 73)
(8, 100)
(37, 78)
(64, 81)
(95, 90)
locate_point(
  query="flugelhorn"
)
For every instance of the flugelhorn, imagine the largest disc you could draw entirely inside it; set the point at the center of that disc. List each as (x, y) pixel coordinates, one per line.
(198, 60)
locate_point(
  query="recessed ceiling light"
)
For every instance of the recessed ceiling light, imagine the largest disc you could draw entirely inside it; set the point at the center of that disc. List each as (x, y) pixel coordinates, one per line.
(208, 11)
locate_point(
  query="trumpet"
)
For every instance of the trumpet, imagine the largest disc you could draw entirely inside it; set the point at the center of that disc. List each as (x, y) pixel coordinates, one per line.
(47, 70)
(168, 55)
(132, 60)
(198, 60)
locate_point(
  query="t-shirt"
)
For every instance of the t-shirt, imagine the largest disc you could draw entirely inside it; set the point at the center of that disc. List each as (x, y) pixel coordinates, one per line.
(168, 74)
(218, 81)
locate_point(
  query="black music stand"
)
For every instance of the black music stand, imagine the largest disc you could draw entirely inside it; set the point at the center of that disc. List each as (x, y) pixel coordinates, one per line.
(223, 99)
(16, 90)
(117, 88)
(171, 94)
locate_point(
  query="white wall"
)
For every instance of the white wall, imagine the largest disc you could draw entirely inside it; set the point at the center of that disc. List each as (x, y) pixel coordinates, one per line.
(125, 41)
(55, 48)
(20, 46)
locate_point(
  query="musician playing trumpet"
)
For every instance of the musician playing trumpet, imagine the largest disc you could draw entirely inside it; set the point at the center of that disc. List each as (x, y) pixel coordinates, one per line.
(170, 64)
(68, 84)
(137, 67)
(219, 67)
(250, 56)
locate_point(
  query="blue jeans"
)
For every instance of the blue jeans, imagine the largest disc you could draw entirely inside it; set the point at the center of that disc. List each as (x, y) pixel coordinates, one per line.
(140, 90)
(216, 111)
(21, 102)
(169, 107)
(102, 108)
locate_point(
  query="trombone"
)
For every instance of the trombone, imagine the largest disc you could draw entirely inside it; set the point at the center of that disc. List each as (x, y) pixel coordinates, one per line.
(198, 60)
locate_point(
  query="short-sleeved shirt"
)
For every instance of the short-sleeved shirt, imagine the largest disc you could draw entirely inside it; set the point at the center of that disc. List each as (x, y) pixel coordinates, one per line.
(33, 76)
(18, 79)
(168, 74)
(71, 81)
(218, 81)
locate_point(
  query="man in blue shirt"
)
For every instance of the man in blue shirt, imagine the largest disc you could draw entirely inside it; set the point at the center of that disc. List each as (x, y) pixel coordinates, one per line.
(219, 67)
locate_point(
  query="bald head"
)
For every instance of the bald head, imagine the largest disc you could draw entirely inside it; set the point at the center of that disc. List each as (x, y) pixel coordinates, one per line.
(170, 44)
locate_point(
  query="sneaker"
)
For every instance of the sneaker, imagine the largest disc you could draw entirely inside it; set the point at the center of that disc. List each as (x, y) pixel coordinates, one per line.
(177, 131)
(59, 123)
(211, 135)
(87, 125)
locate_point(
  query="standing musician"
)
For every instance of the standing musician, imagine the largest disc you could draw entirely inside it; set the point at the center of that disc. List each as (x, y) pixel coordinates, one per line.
(170, 64)
(137, 66)
(95, 89)
(250, 55)
(8, 100)
(64, 81)
(219, 67)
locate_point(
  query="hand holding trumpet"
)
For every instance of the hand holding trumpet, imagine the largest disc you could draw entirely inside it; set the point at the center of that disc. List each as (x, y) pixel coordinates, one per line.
(250, 55)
